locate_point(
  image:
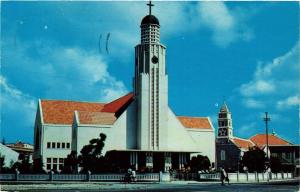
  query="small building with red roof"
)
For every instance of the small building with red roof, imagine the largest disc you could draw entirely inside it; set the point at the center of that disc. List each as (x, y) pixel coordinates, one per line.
(230, 149)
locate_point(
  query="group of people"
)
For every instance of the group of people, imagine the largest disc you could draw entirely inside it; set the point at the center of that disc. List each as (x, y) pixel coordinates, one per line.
(130, 176)
(224, 176)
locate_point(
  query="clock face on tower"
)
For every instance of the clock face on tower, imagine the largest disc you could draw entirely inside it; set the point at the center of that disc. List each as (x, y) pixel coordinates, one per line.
(154, 60)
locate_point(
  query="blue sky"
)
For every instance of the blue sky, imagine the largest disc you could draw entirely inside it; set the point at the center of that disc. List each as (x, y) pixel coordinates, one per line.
(245, 52)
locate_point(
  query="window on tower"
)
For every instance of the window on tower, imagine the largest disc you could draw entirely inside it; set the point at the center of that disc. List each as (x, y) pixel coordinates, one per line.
(223, 155)
(222, 115)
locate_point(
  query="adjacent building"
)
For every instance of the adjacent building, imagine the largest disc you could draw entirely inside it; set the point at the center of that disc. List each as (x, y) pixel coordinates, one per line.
(141, 129)
(24, 149)
(230, 149)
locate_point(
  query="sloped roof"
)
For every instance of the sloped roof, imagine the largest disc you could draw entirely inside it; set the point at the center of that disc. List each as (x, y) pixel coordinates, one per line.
(195, 122)
(117, 104)
(62, 112)
(224, 108)
(242, 143)
(261, 140)
(103, 118)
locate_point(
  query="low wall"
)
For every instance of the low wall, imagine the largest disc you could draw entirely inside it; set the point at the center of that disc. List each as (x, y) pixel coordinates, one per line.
(154, 177)
(240, 177)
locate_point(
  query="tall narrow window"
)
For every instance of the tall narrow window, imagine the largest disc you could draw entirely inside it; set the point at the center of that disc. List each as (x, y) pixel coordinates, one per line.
(48, 163)
(223, 155)
(53, 145)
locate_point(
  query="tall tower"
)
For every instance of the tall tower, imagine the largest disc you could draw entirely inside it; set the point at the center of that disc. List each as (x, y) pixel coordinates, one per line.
(225, 123)
(151, 86)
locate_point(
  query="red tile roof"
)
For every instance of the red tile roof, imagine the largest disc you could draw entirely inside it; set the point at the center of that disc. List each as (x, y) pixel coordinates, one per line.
(195, 122)
(103, 118)
(242, 143)
(260, 140)
(117, 104)
(62, 112)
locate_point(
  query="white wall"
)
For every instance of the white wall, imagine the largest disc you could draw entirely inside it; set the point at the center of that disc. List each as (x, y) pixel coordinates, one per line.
(131, 132)
(9, 155)
(116, 134)
(55, 133)
(205, 140)
(178, 137)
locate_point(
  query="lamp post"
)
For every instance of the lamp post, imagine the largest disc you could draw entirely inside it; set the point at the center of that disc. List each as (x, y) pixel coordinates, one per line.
(267, 119)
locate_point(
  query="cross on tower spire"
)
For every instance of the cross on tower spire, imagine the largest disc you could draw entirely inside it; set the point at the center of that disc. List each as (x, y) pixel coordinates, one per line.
(150, 5)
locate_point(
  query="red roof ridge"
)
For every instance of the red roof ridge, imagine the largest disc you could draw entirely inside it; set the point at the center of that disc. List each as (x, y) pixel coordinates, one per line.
(244, 139)
(192, 117)
(236, 141)
(63, 100)
(115, 105)
(262, 134)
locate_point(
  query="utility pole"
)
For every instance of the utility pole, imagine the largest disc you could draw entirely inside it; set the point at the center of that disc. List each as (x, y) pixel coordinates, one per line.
(267, 119)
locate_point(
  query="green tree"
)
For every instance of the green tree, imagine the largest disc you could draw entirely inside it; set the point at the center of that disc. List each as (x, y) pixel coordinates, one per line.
(254, 159)
(38, 166)
(22, 164)
(199, 163)
(71, 163)
(91, 158)
(275, 164)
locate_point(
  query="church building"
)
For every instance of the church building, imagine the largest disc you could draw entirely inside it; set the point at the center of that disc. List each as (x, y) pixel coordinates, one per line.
(230, 149)
(141, 128)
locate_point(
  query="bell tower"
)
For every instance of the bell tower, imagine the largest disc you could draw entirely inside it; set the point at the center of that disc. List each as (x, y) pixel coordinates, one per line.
(225, 123)
(151, 86)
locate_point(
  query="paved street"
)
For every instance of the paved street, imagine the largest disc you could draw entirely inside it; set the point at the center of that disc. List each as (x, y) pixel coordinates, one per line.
(175, 186)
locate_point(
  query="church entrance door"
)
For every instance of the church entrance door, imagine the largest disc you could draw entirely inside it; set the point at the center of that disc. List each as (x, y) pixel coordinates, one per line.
(158, 162)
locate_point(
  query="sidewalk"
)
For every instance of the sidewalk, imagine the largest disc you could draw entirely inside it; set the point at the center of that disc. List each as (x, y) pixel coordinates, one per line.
(59, 185)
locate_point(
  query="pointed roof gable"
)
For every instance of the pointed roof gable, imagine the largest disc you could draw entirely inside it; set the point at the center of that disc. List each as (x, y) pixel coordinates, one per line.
(195, 122)
(261, 140)
(242, 143)
(224, 108)
(118, 104)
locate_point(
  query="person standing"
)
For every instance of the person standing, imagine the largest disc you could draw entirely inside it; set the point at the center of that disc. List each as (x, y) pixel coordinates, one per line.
(222, 171)
(226, 176)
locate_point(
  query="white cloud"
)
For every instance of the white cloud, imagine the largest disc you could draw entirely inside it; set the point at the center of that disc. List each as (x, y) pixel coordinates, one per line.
(274, 82)
(224, 23)
(19, 106)
(288, 102)
(12, 97)
(64, 72)
(252, 103)
(227, 25)
(257, 87)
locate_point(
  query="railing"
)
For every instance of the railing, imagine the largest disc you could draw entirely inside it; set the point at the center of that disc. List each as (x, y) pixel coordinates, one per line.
(33, 177)
(184, 176)
(213, 176)
(4, 177)
(69, 177)
(107, 177)
(76, 177)
(248, 176)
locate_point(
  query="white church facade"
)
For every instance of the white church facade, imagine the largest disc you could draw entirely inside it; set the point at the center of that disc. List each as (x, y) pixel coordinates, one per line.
(141, 128)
